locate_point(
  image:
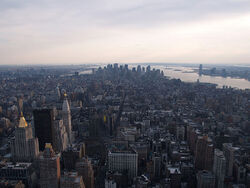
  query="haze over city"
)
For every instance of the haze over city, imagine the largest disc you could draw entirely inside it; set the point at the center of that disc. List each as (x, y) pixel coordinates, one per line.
(108, 31)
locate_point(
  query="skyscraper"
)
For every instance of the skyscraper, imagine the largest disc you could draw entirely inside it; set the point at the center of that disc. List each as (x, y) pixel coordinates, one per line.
(43, 122)
(24, 147)
(60, 138)
(58, 92)
(204, 153)
(200, 69)
(49, 168)
(229, 150)
(148, 69)
(67, 118)
(157, 165)
(219, 168)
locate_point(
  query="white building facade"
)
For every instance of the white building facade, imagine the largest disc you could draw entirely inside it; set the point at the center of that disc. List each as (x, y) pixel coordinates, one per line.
(121, 161)
(66, 115)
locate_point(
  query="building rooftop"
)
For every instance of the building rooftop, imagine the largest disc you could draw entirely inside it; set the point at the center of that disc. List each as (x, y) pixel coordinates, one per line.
(10, 165)
(125, 151)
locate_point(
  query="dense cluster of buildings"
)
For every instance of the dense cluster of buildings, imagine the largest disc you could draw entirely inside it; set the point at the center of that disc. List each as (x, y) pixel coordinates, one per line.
(121, 127)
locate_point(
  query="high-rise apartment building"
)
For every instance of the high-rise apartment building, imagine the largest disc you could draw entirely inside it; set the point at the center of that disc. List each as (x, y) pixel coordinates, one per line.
(219, 168)
(204, 153)
(229, 151)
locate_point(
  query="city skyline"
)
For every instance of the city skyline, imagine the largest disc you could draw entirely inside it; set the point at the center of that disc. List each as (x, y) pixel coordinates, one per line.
(120, 126)
(65, 32)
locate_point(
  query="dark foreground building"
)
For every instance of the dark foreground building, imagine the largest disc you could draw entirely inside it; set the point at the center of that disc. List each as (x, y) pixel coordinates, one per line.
(43, 121)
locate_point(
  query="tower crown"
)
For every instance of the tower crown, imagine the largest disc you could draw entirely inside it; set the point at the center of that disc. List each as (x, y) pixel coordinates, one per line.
(48, 151)
(22, 121)
(48, 145)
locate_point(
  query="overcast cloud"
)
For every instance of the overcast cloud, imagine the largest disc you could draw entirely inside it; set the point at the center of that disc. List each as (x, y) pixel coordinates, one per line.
(107, 31)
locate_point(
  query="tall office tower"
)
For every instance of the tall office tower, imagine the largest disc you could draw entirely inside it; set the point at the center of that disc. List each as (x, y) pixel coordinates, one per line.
(60, 138)
(200, 69)
(67, 118)
(148, 69)
(116, 66)
(229, 151)
(143, 69)
(85, 169)
(71, 180)
(58, 93)
(49, 168)
(139, 68)
(126, 66)
(43, 122)
(219, 168)
(111, 122)
(205, 179)
(24, 147)
(204, 153)
(123, 160)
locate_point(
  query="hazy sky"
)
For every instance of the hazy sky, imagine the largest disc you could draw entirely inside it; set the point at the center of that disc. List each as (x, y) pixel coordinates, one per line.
(108, 31)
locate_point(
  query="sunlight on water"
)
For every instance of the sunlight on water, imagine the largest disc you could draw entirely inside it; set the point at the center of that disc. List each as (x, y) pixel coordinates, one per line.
(187, 74)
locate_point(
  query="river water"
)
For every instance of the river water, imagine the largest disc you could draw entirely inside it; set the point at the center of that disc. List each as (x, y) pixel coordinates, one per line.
(187, 74)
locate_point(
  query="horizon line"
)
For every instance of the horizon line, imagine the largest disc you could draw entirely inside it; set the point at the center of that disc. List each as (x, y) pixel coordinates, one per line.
(122, 63)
